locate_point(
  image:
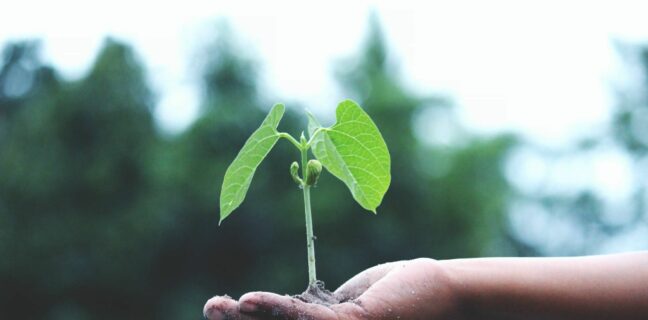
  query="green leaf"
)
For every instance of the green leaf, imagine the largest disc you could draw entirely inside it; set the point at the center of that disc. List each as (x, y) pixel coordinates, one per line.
(354, 151)
(239, 174)
(313, 124)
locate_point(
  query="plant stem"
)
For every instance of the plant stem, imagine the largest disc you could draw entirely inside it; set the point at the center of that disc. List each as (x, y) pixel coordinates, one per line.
(312, 137)
(291, 139)
(310, 238)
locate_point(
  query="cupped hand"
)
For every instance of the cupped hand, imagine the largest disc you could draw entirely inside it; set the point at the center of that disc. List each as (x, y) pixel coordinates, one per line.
(414, 289)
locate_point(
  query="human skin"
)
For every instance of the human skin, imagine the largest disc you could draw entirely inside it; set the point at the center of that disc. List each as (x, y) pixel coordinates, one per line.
(592, 287)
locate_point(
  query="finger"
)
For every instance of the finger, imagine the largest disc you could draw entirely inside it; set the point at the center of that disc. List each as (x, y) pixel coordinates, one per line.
(357, 285)
(283, 307)
(351, 310)
(223, 308)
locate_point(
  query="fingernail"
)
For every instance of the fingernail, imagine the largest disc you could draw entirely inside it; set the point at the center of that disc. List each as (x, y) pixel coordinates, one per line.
(247, 306)
(212, 313)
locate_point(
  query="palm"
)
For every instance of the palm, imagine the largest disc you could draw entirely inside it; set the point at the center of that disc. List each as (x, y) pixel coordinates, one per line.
(416, 289)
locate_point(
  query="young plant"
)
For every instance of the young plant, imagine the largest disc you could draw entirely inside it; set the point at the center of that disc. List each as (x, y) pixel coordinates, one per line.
(353, 150)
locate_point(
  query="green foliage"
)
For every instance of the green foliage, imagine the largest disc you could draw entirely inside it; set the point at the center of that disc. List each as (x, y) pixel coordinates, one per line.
(354, 151)
(240, 173)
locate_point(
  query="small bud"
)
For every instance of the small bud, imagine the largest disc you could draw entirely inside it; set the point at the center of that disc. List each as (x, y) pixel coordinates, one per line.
(294, 172)
(313, 170)
(302, 139)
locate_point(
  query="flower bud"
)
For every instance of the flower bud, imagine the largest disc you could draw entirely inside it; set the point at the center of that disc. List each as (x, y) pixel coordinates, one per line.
(294, 172)
(313, 170)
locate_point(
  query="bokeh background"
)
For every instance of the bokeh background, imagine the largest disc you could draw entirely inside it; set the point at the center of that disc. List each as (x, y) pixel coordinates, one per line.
(515, 129)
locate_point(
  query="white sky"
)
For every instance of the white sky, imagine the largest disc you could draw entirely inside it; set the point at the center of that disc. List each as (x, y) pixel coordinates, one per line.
(540, 68)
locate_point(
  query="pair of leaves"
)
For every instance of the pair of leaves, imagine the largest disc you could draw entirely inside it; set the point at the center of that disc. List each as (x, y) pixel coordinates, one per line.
(353, 150)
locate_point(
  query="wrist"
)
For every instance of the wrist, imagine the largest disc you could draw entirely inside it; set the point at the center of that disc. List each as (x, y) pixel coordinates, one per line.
(446, 286)
(459, 283)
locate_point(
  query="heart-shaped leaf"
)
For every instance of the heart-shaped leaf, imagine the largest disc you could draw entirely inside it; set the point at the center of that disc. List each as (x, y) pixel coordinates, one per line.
(355, 152)
(239, 174)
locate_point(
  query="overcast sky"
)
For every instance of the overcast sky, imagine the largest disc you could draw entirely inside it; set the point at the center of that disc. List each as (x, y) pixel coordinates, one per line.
(543, 69)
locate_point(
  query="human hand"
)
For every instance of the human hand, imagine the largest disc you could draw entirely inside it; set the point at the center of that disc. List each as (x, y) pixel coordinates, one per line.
(414, 289)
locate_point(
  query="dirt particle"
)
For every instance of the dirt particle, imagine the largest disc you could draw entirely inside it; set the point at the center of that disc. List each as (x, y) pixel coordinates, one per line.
(318, 294)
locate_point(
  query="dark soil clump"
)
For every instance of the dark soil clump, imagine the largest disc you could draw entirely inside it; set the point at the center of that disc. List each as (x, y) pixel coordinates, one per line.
(316, 293)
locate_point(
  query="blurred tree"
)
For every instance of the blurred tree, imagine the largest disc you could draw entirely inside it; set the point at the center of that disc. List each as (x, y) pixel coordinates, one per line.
(73, 191)
(630, 120)
(631, 127)
(229, 76)
(22, 77)
(593, 222)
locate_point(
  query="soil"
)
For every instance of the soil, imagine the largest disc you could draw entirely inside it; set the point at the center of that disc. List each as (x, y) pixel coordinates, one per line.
(318, 294)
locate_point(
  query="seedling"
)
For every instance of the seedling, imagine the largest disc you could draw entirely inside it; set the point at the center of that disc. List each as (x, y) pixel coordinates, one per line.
(352, 149)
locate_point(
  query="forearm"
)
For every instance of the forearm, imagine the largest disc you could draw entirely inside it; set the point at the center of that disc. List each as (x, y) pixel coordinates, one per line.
(596, 287)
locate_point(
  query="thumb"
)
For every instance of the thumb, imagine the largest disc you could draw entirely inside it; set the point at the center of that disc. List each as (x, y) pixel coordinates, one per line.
(357, 285)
